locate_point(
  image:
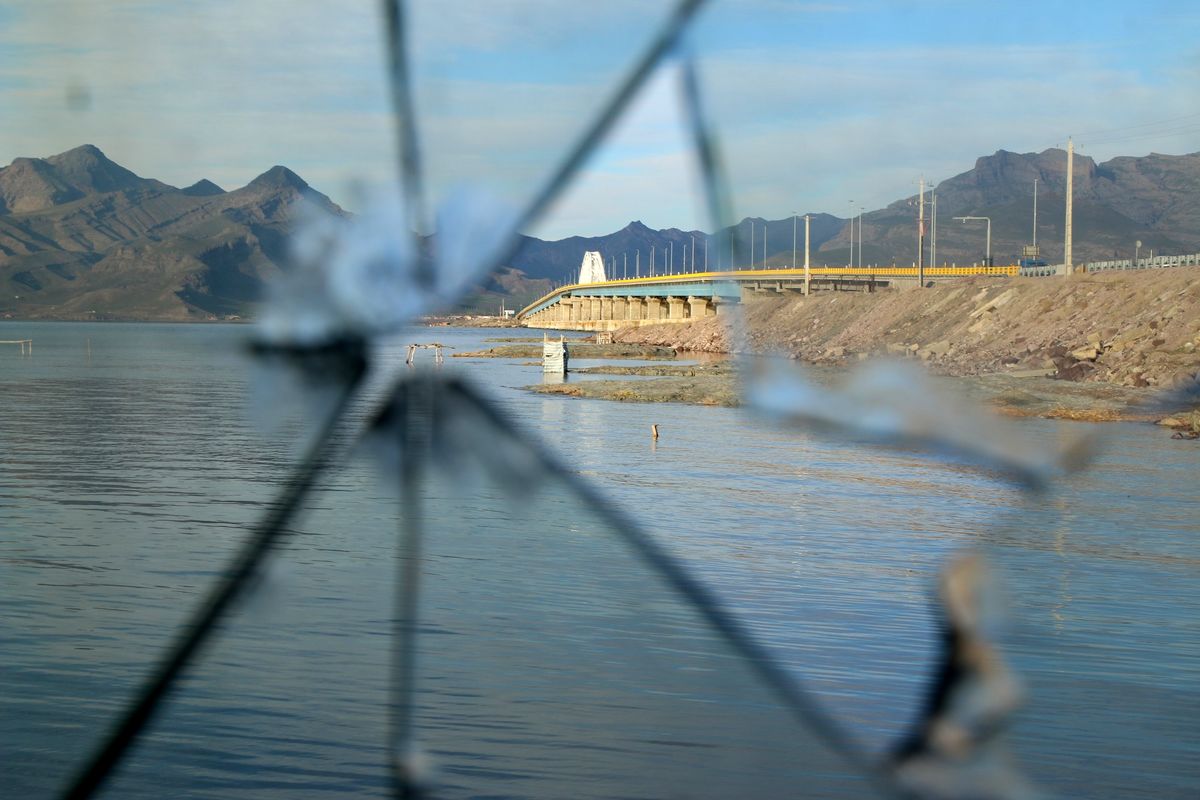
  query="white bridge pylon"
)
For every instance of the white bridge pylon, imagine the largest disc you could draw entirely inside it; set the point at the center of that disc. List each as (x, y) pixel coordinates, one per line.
(592, 268)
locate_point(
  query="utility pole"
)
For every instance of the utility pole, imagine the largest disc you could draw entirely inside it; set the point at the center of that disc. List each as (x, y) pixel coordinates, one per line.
(693, 252)
(637, 263)
(706, 253)
(1068, 265)
(921, 235)
(625, 268)
(807, 275)
(764, 244)
(651, 261)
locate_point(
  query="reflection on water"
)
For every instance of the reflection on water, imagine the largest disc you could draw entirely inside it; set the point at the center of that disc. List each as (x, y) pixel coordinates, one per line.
(128, 477)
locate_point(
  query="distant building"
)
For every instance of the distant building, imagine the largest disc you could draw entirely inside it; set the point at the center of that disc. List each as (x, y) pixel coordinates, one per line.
(592, 269)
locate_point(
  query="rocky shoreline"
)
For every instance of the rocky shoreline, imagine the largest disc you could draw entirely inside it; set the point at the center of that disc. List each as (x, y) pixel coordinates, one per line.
(1135, 329)
(1091, 347)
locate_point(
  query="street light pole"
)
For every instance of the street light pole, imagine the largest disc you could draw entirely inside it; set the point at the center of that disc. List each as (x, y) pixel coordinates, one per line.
(807, 274)
(988, 220)
(860, 221)
(921, 233)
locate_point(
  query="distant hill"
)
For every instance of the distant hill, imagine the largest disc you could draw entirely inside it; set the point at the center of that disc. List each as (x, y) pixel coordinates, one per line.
(560, 260)
(82, 237)
(1155, 198)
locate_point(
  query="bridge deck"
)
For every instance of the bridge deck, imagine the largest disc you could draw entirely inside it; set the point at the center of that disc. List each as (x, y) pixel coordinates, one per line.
(728, 284)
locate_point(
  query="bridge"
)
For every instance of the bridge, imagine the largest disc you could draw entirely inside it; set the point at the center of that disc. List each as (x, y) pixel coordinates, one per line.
(610, 304)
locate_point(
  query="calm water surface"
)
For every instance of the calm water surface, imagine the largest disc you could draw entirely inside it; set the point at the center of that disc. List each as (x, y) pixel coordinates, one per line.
(553, 663)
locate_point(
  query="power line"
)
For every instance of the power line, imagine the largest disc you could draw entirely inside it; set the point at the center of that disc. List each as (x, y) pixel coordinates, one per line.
(1133, 137)
(1123, 128)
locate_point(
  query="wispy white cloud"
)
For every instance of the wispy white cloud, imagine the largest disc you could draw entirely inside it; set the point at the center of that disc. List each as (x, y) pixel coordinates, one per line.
(224, 89)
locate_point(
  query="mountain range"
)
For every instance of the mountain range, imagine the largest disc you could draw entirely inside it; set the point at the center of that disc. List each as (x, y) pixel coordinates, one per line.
(82, 237)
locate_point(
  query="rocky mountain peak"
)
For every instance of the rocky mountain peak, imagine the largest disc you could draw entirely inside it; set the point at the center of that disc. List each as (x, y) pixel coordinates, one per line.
(203, 188)
(278, 177)
(88, 170)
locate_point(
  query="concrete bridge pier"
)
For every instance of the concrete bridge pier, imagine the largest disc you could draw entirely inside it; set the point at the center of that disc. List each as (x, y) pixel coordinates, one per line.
(722, 306)
(700, 307)
(677, 308)
(620, 309)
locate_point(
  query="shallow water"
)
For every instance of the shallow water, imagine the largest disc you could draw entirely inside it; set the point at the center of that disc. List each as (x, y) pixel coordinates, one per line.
(132, 467)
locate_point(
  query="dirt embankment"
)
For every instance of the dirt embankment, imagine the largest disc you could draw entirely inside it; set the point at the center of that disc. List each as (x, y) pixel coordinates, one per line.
(1136, 329)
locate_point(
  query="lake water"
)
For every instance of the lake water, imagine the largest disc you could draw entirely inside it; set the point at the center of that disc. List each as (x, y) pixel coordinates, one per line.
(553, 663)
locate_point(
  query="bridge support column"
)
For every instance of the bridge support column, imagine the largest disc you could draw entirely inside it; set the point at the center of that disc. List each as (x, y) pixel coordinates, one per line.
(654, 308)
(593, 308)
(676, 306)
(699, 307)
(606, 308)
(620, 308)
(635, 307)
(722, 306)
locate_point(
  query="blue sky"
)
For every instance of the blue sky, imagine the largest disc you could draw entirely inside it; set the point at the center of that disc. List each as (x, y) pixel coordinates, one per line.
(815, 104)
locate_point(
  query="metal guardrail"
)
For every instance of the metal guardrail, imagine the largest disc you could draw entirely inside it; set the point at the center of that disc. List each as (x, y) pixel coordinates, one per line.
(1157, 262)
